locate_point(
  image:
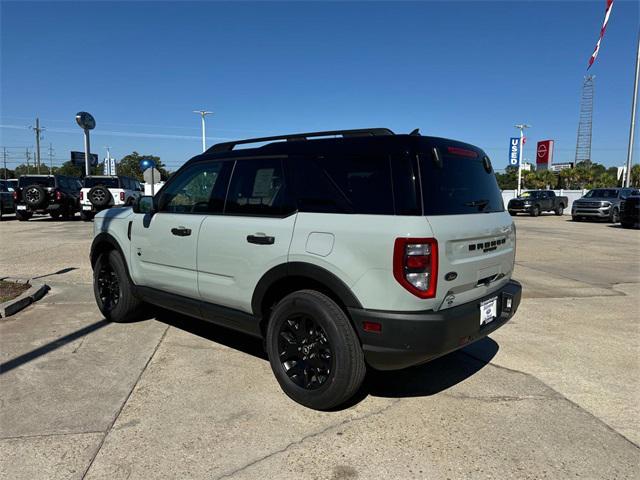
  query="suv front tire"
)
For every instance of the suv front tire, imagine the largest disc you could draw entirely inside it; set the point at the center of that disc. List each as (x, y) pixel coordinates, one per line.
(313, 350)
(113, 290)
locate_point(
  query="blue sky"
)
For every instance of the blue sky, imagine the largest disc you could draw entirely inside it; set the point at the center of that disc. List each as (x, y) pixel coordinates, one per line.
(464, 70)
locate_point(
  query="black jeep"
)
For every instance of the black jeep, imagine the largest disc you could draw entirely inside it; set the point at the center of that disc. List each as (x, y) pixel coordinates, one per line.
(57, 195)
(630, 211)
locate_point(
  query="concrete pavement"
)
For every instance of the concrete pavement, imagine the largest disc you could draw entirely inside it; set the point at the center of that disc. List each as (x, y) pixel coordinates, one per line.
(553, 394)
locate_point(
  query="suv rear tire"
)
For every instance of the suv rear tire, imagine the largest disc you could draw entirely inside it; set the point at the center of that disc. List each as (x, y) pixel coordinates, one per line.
(559, 210)
(113, 289)
(86, 217)
(313, 350)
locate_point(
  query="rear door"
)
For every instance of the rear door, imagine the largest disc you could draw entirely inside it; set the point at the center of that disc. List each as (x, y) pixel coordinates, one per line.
(463, 205)
(164, 245)
(252, 236)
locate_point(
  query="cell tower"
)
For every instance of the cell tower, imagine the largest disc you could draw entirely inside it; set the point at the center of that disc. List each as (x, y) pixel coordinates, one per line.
(583, 144)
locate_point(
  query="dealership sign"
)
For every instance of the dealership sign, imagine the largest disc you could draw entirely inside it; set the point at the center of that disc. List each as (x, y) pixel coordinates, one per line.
(544, 154)
(514, 150)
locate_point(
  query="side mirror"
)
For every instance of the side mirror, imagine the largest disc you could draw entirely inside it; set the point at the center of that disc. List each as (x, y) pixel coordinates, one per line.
(144, 204)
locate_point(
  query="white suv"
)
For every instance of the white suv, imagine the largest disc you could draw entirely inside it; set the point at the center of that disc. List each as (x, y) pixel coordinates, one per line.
(340, 249)
(102, 191)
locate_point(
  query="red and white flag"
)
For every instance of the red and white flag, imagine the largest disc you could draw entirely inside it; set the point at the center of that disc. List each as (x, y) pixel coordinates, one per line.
(607, 13)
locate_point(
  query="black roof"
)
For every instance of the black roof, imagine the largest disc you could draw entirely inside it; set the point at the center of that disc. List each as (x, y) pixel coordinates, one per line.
(365, 140)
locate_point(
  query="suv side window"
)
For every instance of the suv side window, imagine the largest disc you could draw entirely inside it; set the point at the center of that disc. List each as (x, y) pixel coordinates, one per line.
(344, 184)
(257, 187)
(198, 189)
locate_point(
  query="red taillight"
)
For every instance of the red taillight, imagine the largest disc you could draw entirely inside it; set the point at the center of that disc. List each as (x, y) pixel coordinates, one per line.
(15, 195)
(81, 195)
(462, 152)
(122, 196)
(58, 195)
(415, 265)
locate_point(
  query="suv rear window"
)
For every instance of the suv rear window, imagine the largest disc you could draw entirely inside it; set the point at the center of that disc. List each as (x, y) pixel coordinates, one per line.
(457, 179)
(42, 181)
(107, 182)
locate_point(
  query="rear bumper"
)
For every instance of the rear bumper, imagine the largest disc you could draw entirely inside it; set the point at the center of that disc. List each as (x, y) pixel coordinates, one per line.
(411, 338)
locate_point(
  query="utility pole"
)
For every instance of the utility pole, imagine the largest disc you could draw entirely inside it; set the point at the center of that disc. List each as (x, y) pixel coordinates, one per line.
(521, 127)
(50, 159)
(4, 158)
(37, 130)
(203, 113)
(627, 179)
(28, 157)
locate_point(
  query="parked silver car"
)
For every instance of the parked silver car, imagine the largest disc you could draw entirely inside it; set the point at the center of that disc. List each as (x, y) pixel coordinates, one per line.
(600, 203)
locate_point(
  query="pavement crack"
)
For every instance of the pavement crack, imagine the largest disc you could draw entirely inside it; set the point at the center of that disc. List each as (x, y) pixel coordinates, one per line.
(47, 435)
(498, 398)
(115, 418)
(559, 395)
(307, 437)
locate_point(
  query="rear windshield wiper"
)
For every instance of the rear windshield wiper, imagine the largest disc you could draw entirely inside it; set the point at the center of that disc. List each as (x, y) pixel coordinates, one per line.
(477, 203)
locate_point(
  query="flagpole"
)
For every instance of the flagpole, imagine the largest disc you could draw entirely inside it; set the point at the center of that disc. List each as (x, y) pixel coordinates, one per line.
(521, 127)
(627, 179)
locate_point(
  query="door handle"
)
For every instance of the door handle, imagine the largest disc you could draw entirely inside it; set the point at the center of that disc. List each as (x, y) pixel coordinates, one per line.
(261, 239)
(181, 231)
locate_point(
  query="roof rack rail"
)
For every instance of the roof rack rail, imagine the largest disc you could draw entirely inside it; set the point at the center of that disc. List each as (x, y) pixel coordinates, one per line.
(363, 132)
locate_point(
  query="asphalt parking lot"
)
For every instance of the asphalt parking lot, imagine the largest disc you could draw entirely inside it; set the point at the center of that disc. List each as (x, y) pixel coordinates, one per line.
(553, 394)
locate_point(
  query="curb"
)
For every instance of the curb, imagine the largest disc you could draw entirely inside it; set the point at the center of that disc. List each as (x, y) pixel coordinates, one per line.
(36, 292)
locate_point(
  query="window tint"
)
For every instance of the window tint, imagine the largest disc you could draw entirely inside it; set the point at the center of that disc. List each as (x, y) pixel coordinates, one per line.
(258, 188)
(344, 184)
(458, 179)
(405, 186)
(42, 181)
(197, 189)
(107, 182)
(63, 183)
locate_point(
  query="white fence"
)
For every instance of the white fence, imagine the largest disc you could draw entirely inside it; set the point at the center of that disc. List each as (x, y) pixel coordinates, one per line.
(572, 195)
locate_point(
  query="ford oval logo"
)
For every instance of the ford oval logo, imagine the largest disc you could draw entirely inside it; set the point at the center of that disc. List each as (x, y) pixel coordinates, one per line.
(451, 276)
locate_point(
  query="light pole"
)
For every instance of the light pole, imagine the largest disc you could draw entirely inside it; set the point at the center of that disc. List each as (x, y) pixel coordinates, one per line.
(203, 113)
(86, 122)
(627, 179)
(521, 127)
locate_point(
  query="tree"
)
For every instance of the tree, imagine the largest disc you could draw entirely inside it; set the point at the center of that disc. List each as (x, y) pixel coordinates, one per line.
(8, 173)
(129, 165)
(635, 175)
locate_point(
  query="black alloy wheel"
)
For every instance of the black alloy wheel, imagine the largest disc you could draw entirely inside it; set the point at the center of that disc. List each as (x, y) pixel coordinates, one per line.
(34, 195)
(108, 286)
(313, 350)
(305, 352)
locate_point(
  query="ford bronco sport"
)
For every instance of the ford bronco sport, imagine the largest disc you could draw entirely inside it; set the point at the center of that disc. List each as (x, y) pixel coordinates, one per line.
(103, 191)
(56, 195)
(340, 249)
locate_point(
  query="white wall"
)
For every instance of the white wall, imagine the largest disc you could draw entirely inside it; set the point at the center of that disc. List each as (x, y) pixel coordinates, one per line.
(571, 194)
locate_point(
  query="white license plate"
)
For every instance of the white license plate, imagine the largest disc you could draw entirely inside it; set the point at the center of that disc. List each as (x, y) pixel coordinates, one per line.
(86, 207)
(21, 207)
(488, 310)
